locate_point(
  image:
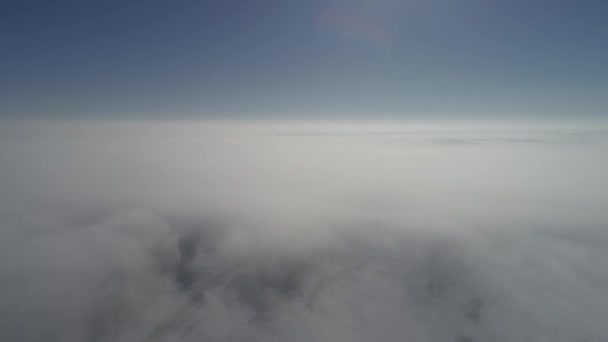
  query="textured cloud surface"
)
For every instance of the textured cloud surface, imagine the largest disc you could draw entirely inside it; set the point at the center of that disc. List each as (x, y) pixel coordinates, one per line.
(302, 232)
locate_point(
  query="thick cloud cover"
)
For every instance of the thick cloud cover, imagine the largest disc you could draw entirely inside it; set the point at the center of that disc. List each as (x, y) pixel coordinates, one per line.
(302, 232)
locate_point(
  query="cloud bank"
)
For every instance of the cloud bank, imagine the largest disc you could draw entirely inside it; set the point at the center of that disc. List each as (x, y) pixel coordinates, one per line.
(302, 232)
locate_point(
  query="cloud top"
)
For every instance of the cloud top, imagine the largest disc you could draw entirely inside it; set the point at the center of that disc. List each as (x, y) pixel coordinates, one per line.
(299, 232)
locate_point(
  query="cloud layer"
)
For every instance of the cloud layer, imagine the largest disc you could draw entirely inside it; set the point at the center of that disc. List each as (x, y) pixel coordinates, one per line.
(302, 232)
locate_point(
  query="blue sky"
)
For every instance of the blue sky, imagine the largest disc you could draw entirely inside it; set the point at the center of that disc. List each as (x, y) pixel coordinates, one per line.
(303, 59)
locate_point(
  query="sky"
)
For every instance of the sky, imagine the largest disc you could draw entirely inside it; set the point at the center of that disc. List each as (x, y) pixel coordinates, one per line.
(303, 59)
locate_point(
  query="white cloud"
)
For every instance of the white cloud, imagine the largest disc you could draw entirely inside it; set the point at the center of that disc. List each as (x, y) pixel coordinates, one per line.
(300, 232)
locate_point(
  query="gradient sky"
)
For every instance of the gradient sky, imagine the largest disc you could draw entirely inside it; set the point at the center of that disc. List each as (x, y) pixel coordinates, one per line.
(303, 59)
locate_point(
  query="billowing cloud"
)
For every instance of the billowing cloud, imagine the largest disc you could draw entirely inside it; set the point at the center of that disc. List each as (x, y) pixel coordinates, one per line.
(302, 232)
